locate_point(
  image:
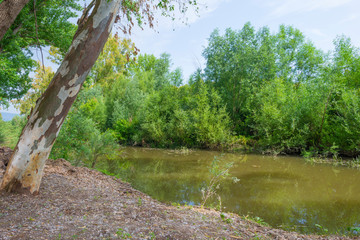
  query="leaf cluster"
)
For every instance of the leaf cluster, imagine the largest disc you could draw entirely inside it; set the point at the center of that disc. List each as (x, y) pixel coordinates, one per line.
(39, 24)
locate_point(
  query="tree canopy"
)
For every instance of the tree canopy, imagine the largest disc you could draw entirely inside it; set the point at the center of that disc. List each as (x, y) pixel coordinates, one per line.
(39, 24)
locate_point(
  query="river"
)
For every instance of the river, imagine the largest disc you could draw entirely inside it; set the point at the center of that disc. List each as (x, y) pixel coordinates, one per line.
(286, 192)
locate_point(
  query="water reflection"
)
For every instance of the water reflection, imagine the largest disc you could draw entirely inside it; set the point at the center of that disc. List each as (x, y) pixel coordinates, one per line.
(284, 191)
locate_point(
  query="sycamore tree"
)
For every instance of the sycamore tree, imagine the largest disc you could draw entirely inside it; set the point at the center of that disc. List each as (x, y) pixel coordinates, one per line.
(26, 165)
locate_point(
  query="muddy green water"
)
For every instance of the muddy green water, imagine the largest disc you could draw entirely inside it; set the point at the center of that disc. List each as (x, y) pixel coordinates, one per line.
(285, 192)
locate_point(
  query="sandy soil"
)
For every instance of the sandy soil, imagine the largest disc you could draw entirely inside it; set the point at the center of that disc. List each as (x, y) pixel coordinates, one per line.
(79, 203)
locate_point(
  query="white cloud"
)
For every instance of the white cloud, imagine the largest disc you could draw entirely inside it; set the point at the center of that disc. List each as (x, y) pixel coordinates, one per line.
(288, 7)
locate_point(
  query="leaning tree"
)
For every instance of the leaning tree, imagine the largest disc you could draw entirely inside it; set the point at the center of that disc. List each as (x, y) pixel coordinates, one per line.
(26, 165)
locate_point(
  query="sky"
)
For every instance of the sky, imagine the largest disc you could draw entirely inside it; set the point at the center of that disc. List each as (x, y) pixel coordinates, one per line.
(320, 21)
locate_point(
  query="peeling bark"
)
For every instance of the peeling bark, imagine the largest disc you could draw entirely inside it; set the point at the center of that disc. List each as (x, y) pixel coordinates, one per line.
(9, 9)
(26, 166)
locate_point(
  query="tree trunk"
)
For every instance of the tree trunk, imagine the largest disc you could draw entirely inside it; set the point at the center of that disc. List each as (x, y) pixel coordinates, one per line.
(26, 166)
(9, 9)
(94, 161)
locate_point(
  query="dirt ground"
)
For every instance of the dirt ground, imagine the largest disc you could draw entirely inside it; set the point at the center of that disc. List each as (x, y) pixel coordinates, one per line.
(79, 203)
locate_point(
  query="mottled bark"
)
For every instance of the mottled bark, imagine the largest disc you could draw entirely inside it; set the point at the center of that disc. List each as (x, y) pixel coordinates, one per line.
(27, 163)
(9, 9)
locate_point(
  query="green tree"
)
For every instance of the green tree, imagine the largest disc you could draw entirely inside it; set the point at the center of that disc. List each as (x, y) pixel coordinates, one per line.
(289, 117)
(191, 116)
(211, 123)
(346, 63)
(113, 61)
(39, 24)
(109, 72)
(10, 130)
(82, 142)
(238, 63)
(316, 111)
(343, 129)
(340, 128)
(297, 59)
(41, 80)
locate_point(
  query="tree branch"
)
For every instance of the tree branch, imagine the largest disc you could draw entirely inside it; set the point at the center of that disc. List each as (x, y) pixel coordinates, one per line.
(37, 37)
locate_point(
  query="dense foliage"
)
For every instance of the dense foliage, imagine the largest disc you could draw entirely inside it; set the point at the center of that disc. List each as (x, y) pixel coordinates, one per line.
(39, 24)
(10, 131)
(271, 92)
(140, 101)
(284, 93)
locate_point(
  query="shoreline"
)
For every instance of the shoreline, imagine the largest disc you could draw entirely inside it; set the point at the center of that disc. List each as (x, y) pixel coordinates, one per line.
(80, 203)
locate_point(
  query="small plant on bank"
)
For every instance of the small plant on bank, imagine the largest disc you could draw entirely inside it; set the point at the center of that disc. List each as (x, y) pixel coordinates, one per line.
(225, 219)
(123, 234)
(258, 220)
(321, 228)
(175, 204)
(355, 164)
(219, 171)
(354, 231)
(152, 235)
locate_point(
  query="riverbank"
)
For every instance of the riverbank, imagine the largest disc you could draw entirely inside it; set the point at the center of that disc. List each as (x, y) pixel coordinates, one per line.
(79, 203)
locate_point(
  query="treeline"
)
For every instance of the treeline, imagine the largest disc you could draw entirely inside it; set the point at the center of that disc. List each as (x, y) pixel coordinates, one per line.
(284, 93)
(269, 92)
(134, 100)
